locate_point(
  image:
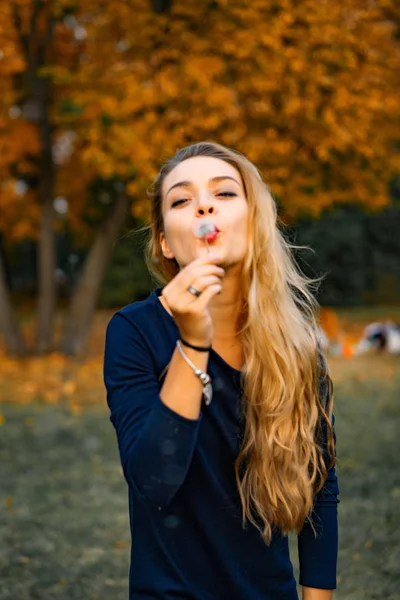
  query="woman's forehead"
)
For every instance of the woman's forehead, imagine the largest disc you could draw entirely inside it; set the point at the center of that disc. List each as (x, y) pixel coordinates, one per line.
(199, 169)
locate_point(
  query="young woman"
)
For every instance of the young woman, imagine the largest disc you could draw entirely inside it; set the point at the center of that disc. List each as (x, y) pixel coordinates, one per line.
(216, 483)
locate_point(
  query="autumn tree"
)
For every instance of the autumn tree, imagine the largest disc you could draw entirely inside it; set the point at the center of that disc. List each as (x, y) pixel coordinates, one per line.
(308, 91)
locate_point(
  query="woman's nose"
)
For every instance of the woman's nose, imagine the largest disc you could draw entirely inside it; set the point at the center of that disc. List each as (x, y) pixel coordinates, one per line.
(205, 206)
(205, 210)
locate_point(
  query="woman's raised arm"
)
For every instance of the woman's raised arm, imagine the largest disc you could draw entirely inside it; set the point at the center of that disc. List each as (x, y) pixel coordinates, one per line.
(156, 443)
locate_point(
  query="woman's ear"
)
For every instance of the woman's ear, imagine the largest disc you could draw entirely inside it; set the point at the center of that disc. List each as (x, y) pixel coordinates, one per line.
(166, 250)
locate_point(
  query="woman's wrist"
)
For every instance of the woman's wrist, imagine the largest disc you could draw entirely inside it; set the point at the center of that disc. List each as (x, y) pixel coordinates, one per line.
(202, 375)
(195, 346)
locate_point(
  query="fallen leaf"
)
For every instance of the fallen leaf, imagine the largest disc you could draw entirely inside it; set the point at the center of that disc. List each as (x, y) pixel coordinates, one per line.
(121, 544)
(9, 502)
(69, 388)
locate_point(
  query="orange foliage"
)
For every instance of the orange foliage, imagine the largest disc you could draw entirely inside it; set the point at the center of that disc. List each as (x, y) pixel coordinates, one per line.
(78, 383)
(53, 379)
(309, 91)
(329, 321)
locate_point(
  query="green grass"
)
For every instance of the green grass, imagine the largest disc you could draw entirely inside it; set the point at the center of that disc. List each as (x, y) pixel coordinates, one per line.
(66, 535)
(64, 527)
(367, 412)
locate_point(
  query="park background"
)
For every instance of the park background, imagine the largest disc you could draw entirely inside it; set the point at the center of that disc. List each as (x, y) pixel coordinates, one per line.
(94, 96)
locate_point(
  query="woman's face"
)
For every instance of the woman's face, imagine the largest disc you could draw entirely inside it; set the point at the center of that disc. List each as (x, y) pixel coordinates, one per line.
(198, 188)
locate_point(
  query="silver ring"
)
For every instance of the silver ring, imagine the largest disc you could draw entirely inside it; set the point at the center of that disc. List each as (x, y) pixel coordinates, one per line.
(193, 291)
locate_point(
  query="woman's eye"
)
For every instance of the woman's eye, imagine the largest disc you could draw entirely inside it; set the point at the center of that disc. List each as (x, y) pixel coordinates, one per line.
(223, 194)
(178, 202)
(227, 194)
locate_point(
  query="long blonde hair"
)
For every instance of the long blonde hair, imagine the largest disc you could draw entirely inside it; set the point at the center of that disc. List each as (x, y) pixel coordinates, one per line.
(287, 391)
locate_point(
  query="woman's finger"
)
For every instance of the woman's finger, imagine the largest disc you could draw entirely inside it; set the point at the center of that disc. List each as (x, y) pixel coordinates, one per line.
(201, 283)
(202, 301)
(196, 272)
(176, 291)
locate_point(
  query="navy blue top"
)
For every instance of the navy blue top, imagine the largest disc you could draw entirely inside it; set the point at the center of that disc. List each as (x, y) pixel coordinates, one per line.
(185, 512)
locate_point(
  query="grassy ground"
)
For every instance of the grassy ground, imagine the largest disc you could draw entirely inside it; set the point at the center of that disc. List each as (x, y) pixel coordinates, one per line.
(63, 503)
(368, 446)
(64, 531)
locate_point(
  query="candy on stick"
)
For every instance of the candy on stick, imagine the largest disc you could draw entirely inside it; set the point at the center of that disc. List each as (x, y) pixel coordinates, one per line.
(204, 229)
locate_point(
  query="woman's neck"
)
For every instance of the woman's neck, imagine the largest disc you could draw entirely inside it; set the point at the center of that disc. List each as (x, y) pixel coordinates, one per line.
(225, 309)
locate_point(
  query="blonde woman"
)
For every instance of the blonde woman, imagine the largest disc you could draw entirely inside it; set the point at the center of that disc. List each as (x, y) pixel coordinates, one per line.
(221, 399)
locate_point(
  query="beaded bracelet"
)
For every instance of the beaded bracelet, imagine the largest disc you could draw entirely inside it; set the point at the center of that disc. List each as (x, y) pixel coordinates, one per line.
(204, 377)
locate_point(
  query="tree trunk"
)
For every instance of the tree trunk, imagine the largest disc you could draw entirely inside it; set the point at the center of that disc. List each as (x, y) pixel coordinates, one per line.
(13, 339)
(46, 286)
(36, 44)
(46, 250)
(161, 6)
(84, 299)
(3, 259)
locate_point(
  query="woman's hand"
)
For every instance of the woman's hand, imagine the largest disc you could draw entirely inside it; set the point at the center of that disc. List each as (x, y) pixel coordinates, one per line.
(191, 313)
(316, 594)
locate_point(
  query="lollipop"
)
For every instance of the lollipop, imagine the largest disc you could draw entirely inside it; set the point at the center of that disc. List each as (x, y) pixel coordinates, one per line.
(206, 230)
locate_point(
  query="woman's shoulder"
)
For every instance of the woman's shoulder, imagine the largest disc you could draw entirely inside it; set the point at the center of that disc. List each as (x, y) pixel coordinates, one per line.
(144, 319)
(141, 328)
(138, 312)
(140, 307)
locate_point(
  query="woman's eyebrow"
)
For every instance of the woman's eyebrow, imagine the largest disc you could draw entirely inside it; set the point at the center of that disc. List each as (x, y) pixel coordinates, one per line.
(222, 177)
(179, 184)
(190, 183)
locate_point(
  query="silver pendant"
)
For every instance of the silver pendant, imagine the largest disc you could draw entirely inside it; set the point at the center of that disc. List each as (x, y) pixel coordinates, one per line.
(208, 393)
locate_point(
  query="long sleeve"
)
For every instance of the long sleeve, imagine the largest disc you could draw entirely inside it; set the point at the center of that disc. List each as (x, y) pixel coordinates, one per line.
(318, 555)
(156, 444)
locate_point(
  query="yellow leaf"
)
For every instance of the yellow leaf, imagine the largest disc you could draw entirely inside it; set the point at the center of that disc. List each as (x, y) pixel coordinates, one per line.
(76, 409)
(69, 387)
(121, 544)
(9, 502)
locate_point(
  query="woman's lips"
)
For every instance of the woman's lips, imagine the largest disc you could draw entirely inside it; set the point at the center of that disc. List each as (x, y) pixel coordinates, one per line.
(210, 237)
(206, 229)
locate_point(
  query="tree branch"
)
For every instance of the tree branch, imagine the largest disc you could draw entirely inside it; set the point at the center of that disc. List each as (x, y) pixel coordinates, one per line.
(45, 41)
(37, 5)
(23, 38)
(161, 6)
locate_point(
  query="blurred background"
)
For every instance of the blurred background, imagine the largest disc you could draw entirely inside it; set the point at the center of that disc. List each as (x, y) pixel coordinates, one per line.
(94, 97)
